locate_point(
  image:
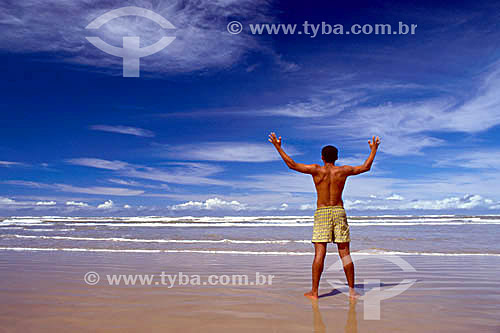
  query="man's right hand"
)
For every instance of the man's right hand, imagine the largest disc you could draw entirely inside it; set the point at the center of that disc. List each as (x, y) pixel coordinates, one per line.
(374, 143)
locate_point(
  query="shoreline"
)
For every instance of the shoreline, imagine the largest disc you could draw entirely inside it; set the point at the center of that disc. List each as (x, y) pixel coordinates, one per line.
(265, 253)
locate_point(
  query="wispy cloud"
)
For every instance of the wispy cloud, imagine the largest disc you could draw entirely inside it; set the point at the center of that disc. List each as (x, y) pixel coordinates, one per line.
(123, 130)
(10, 163)
(138, 184)
(175, 173)
(224, 151)
(98, 190)
(358, 159)
(279, 182)
(329, 103)
(405, 126)
(476, 159)
(199, 26)
(7, 201)
(99, 163)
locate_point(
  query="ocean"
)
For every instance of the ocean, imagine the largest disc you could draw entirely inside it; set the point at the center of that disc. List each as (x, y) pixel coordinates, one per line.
(441, 235)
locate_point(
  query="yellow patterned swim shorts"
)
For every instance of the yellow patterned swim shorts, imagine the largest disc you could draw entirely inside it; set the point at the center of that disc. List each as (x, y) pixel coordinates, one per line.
(330, 225)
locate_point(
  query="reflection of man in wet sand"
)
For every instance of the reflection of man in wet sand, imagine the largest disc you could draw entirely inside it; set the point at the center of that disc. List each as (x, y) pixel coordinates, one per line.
(330, 221)
(351, 325)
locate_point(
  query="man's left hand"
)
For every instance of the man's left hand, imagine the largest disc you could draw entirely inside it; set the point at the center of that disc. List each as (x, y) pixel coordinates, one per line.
(274, 140)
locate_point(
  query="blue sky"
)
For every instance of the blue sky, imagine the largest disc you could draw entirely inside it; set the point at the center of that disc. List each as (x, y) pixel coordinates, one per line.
(189, 136)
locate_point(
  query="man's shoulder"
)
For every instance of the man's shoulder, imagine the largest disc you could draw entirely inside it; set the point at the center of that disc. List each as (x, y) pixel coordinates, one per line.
(335, 167)
(345, 168)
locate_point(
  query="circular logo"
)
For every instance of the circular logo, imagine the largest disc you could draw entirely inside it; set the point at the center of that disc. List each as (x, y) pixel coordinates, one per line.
(234, 27)
(91, 278)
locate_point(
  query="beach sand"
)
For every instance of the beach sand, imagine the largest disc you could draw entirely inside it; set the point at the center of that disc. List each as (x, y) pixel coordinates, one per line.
(46, 291)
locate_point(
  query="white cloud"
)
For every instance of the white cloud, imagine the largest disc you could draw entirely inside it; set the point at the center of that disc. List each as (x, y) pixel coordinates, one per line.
(46, 203)
(106, 205)
(26, 183)
(454, 183)
(400, 126)
(124, 130)
(99, 190)
(480, 112)
(306, 207)
(283, 206)
(288, 181)
(9, 163)
(138, 184)
(466, 202)
(187, 174)
(356, 160)
(356, 204)
(286, 66)
(28, 26)
(472, 159)
(406, 128)
(7, 201)
(99, 163)
(177, 173)
(77, 204)
(395, 196)
(76, 189)
(369, 185)
(127, 206)
(320, 105)
(210, 204)
(469, 201)
(226, 151)
(125, 182)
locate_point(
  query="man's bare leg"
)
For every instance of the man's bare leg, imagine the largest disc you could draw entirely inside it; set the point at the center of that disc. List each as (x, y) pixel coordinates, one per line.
(345, 255)
(317, 269)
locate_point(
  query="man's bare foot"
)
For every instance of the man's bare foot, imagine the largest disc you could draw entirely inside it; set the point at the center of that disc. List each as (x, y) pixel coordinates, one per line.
(353, 294)
(311, 295)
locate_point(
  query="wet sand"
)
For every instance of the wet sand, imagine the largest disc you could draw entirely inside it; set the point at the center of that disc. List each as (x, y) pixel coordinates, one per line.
(46, 291)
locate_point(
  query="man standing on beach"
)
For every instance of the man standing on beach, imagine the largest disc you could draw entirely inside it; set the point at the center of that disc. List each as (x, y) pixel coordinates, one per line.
(330, 221)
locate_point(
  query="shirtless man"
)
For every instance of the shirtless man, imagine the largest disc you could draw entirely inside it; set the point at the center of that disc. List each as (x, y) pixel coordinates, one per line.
(330, 221)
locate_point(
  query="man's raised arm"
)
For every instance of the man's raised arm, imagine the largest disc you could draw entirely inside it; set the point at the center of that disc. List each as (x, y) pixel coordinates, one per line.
(304, 168)
(356, 170)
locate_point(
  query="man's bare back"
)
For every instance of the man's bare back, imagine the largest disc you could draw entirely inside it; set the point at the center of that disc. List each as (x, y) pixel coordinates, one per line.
(329, 180)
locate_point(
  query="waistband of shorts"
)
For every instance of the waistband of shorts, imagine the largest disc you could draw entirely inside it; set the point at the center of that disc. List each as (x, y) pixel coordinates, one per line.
(330, 207)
